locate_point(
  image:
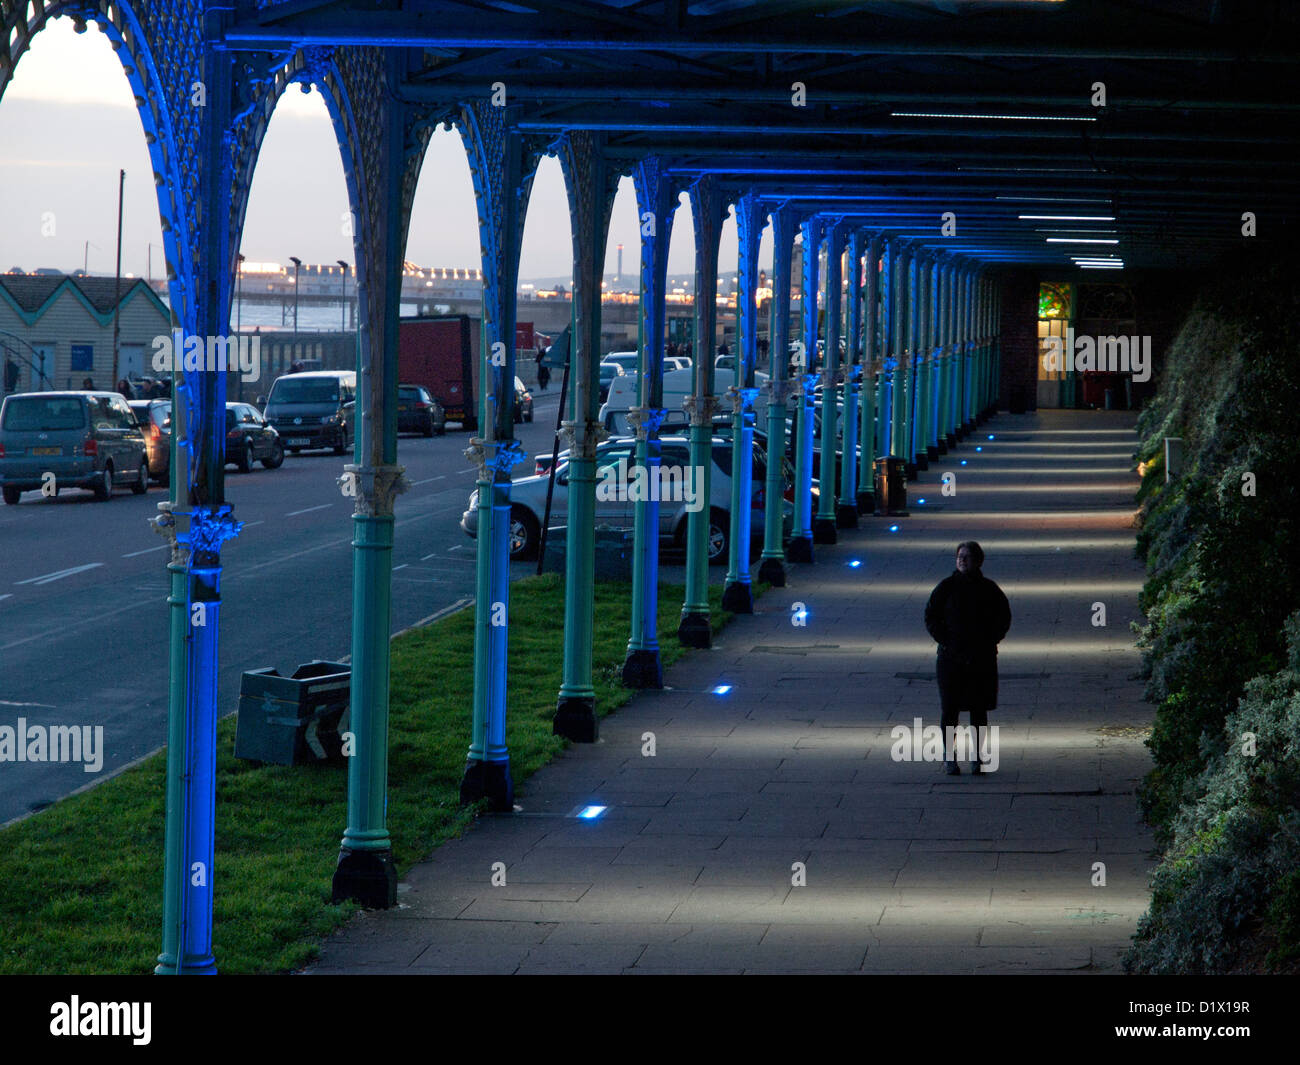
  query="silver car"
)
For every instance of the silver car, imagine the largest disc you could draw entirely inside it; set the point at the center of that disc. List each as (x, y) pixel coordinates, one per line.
(57, 440)
(528, 499)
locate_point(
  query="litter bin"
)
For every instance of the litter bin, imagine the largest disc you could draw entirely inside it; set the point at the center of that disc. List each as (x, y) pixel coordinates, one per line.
(293, 720)
(891, 486)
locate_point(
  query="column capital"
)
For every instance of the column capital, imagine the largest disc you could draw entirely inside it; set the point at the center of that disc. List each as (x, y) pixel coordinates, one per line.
(376, 488)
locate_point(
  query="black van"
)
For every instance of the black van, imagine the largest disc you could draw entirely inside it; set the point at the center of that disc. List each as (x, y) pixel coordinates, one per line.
(314, 410)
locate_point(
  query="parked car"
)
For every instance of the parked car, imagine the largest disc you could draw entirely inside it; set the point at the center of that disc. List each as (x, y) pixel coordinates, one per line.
(609, 373)
(528, 499)
(625, 360)
(523, 403)
(419, 412)
(154, 416)
(314, 409)
(250, 439)
(85, 439)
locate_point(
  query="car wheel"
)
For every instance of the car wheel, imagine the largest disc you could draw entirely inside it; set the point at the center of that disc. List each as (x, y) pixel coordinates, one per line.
(525, 535)
(718, 537)
(103, 486)
(273, 461)
(142, 481)
(428, 429)
(295, 451)
(245, 460)
(12, 495)
(441, 430)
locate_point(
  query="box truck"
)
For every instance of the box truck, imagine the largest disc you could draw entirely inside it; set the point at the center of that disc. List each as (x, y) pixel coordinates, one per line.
(442, 354)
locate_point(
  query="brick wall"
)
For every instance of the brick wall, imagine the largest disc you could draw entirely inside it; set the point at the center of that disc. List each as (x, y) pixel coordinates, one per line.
(1019, 339)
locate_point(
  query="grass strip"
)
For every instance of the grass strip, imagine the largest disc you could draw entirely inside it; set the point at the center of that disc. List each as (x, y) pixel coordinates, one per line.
(81, 882)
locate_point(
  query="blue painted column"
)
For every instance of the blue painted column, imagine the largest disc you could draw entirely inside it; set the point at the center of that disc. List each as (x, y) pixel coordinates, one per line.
(737, 595)
(707, 209)
(801, 538)
(920, 434)
(495, 154)
(590, 184)
(772, 567)
(365, 871)
(846, 511)
(656, 201)
(898, 307)
(194, 613)
(968, 322)
(934, 352)
(827, 478)
(954, 355)
(940, 437)
(866, 496)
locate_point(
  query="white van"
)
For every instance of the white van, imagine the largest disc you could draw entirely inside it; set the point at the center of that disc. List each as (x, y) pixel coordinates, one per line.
(678, 384)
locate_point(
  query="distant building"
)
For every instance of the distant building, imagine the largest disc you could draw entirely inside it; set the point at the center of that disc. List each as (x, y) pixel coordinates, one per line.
(58, 330)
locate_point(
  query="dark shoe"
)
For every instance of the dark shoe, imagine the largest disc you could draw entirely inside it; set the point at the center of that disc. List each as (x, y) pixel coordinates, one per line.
(952, 768)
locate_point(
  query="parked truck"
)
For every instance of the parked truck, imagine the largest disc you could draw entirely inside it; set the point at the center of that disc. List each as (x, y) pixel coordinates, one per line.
(442, 354)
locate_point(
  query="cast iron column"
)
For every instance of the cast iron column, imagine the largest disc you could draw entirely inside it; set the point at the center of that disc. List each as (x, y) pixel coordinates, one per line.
(846, 511)
(656, 202)
(866, 498)
(801, 538)
(898, 300)
(590, 186)
(707, 209)
(737, 595)
(824, 524)
(772, 567)
(496, 163)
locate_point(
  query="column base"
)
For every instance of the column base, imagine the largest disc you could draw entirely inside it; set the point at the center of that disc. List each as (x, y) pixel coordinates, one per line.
(166, 966)
(488, 780)
(800, 549)
(738, 598)
(367, 877)
(866, 502)
(695, 631)
(846, 516)
(772, 571)
(575, 719)
(971, 426)
(824, 531)
(923, 460)
(951, 438)
(643, 669)
(942, 449)
(932, 453)
(910, 471)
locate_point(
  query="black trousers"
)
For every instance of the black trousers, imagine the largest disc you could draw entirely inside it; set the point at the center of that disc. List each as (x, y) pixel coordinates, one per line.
(965, 685)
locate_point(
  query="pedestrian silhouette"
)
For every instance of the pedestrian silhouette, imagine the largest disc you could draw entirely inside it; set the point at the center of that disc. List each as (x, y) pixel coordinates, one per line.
(968, 616)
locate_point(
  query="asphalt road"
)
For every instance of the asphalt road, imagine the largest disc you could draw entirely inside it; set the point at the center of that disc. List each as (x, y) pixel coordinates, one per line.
(83, 590)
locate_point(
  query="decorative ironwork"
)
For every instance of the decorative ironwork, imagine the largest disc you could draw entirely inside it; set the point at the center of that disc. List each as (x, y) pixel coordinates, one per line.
(377, 487)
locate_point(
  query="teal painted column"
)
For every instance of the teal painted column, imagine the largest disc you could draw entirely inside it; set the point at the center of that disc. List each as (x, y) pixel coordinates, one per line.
(911, 323)
(707, 209)
(801, 537)
(824, 524)
(968, 348)
(943, 440)
(737, 595)
(933, 346)
(772, 567)
(921, 435)
(590, 184)
(846, 511)
(897, 345)
(365, 872)
(866, 495)
(656, 203)
(495, 153)
(200, 306)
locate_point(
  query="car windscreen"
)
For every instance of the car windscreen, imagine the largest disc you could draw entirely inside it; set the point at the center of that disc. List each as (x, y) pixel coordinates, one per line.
(305, 390)
(43, 413)
(411, 395)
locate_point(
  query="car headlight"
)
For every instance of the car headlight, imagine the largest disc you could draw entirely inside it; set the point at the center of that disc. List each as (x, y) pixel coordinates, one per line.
(473, 499)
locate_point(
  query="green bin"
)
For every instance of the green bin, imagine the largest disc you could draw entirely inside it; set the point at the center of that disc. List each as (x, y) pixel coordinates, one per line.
(293, 720)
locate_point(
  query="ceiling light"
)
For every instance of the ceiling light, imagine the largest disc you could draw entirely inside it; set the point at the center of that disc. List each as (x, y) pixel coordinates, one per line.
(1080, 240)
(1065, 217)
(999, 118)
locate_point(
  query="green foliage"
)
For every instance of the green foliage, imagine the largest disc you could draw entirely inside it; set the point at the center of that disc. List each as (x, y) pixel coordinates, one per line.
(1230, 880)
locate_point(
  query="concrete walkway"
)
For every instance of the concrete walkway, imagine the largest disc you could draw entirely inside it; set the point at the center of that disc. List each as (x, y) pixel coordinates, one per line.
(692, 868)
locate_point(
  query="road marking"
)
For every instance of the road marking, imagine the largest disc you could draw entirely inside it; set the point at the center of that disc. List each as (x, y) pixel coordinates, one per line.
(43, 706)
(7, 595)
(402, 566)
(295, 513)
(58, 575)
(160, 547)
(250, 524)
(427, 480)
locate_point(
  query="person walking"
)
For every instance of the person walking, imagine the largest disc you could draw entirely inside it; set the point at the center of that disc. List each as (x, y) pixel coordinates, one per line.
(543, 371)
(967, 616)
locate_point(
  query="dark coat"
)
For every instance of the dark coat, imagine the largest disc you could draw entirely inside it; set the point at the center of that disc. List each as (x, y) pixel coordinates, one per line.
(968, 616)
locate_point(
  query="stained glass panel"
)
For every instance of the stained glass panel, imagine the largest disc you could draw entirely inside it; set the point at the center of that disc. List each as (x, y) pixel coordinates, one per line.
(1054, 299)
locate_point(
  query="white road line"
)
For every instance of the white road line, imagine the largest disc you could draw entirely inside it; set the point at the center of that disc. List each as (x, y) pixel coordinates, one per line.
(147, 550)
(404, 565)
(308, 510)
(427, 480)
(7, 595)
(58, 575)
(250, 524)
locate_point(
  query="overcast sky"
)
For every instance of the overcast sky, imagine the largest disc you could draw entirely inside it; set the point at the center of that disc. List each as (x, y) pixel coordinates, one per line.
(68, 124)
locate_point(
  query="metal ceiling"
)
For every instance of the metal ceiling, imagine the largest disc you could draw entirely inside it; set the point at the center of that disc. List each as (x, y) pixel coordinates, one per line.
(1199, 125)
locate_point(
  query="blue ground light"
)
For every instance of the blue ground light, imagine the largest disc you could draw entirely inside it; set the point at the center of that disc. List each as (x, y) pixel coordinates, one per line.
(979, 449)
(893, 528)
(920, 502)
(721, 689)
(963, 462)
(590, 813)
(856, 562)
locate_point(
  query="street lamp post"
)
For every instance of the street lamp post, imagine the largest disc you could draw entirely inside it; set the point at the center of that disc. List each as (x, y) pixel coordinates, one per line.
(343, 309)
(297, 266)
